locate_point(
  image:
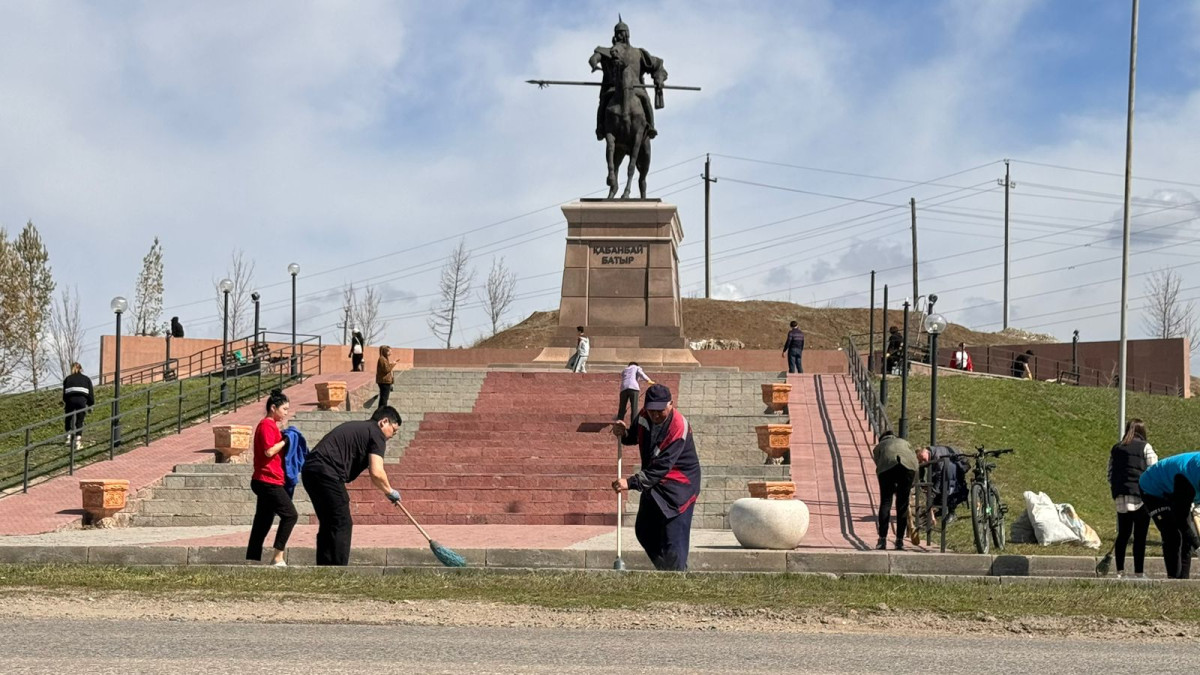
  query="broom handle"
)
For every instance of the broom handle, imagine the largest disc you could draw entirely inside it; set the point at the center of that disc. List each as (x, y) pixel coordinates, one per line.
(620, 507)
(414, 522)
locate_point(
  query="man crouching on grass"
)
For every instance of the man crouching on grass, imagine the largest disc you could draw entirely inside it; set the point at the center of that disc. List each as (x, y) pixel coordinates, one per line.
(669, 480)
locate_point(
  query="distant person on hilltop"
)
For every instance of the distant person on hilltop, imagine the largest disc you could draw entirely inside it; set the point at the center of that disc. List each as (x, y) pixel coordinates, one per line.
(176, 327)
(961, 360)
(894, 354)
(77, 396)
(357, 345)
(630, 390)
(793, 349)
(1020, 366)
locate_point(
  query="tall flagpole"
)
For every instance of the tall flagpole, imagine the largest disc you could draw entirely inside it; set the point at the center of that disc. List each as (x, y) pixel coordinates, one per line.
(1125, 224)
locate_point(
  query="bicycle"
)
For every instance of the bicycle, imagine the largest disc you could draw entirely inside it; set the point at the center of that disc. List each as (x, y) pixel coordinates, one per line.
(983, 499)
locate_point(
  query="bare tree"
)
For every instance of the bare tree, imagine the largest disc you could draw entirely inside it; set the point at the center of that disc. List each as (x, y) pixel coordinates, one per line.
(497, 297)
(32, 283)
(1167, 315)
(349, 305)
(148, 295)
(9, 306)
(66, 330)
(454, 289)
(241, 314)
(366, 316)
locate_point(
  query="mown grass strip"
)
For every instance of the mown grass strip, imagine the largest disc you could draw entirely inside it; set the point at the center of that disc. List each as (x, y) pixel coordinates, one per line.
(580, 590)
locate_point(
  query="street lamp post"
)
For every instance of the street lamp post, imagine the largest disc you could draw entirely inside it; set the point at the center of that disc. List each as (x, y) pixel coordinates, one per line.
(1075, 354)
(118, 306)
(934, 325)
(904, 377)
(883, 384)
(293, 269)
(255, 297)
(226, 286)
(928, 313)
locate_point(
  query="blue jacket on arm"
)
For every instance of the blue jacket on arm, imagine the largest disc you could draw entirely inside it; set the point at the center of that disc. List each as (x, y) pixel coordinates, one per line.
(293, 462)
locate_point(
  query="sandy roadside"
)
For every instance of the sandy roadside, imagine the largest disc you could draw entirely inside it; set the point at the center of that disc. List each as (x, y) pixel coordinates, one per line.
(40, 604)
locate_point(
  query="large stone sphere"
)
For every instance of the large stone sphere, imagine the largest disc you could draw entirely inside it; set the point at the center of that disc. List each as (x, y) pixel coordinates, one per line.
(769, 523)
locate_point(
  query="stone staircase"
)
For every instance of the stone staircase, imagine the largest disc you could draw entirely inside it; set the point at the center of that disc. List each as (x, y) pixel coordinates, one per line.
(498, 447)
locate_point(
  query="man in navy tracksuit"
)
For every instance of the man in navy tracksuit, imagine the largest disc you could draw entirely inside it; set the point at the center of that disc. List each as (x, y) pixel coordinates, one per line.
(794, 349)
(669, 479)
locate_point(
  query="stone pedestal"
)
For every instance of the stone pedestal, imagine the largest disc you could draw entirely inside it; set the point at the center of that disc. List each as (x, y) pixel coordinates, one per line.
(102, 498)
(230, 441)
(621, 282)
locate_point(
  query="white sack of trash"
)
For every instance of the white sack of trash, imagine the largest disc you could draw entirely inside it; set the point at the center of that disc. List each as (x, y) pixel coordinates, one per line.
(1045, 523)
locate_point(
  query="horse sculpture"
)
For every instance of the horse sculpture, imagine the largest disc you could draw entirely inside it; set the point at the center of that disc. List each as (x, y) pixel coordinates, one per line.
(625, 131)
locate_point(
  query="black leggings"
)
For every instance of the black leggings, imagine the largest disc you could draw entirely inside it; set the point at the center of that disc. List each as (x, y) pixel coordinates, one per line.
(895, 483)
(273, 501)
(1171, 513)
(1136, 523)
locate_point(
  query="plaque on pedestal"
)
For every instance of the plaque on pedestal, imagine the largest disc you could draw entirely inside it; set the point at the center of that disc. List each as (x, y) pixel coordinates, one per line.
(621, 282)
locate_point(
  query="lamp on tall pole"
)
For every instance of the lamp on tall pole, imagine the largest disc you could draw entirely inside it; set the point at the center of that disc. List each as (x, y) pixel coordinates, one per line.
(118, 306)
(883, 384)
(226, 285)
(255, 297)
(934, 325)
(904, 377)
(294, 269)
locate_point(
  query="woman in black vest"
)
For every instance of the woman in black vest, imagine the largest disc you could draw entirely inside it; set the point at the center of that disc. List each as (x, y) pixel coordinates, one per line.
(1126, 462)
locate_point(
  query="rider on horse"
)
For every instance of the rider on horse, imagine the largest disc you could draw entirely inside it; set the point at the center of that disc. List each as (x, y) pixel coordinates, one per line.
(609, 58)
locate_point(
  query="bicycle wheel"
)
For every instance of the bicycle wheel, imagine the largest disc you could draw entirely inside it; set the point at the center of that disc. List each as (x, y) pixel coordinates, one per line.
(995, 517)
(979, 526)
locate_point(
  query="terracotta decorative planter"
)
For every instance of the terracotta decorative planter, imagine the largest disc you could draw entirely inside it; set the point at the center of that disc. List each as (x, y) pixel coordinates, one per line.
(330, 395)
(772, 489)
(103, 497)
(231, 440)
(774, 439)
(775, 395)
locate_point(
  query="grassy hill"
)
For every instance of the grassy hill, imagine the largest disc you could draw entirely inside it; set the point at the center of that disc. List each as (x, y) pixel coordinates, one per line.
(760, 324)
(1062, 436)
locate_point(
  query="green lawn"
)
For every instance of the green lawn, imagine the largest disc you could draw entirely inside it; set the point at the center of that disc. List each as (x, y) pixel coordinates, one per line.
(581, 590)
(185, 401)
(1062, 436)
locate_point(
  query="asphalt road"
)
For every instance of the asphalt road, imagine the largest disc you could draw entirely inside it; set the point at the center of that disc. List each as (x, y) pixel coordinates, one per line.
(69, 646)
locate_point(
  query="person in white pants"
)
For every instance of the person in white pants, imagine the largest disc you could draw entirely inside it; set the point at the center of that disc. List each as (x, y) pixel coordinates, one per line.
(582, 348)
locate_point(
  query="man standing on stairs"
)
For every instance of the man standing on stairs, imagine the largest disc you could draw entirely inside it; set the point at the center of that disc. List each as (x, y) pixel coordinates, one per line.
(338, 459)
(895, 468)
(793, 349)
(669, 480)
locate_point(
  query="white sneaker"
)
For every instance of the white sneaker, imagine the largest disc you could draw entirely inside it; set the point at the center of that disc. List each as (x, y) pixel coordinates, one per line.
(281, 563)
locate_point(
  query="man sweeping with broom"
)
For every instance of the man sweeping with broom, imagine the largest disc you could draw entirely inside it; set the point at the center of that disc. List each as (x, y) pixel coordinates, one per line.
(669, 480)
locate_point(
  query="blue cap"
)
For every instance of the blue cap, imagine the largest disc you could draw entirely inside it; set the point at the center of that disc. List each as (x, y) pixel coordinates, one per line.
(657, 397)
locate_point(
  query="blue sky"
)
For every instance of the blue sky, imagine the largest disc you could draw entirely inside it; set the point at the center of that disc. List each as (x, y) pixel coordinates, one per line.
(362, 139)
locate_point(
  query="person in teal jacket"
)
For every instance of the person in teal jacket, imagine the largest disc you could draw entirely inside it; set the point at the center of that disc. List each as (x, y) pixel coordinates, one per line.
(1170, 489)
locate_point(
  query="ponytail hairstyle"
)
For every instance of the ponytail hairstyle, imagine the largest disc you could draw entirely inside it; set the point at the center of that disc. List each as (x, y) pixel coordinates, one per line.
(1135, 429)
(275, 399)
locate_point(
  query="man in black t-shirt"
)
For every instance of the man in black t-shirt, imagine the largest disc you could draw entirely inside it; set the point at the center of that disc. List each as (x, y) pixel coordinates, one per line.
(338, 459)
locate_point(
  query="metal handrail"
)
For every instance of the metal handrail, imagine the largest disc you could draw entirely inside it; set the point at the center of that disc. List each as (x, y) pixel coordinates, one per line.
(868, 397)
(231, 390)
(203, 361)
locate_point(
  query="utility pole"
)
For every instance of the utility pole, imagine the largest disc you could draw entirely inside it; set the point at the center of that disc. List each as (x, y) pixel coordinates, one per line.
(871, 331)
(1008, 184)
(1125, 226)
(912, 203)
(708, 181)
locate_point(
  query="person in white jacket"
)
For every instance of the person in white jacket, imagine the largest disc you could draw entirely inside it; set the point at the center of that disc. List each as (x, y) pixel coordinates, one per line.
(582, 347)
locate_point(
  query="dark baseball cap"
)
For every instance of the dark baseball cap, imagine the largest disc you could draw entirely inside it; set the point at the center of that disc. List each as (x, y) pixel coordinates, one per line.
(657, 397)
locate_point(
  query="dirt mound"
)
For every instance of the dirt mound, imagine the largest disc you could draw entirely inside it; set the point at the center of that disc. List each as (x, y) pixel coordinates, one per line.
(762, 324)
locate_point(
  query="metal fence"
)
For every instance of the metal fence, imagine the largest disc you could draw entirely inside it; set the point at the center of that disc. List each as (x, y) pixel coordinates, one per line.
(867, 395)
(149, 411)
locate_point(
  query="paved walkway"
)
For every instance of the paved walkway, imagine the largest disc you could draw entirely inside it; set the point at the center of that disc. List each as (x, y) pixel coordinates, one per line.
(56, 503)
(831, 461)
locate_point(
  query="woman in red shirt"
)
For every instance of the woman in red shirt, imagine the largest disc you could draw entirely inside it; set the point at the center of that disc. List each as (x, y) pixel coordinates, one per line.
(267, 483)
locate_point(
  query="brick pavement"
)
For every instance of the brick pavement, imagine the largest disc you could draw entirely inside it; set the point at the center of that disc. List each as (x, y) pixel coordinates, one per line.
(56, 503)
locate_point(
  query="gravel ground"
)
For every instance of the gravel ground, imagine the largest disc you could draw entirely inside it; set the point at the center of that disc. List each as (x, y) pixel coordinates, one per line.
(38, 605)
